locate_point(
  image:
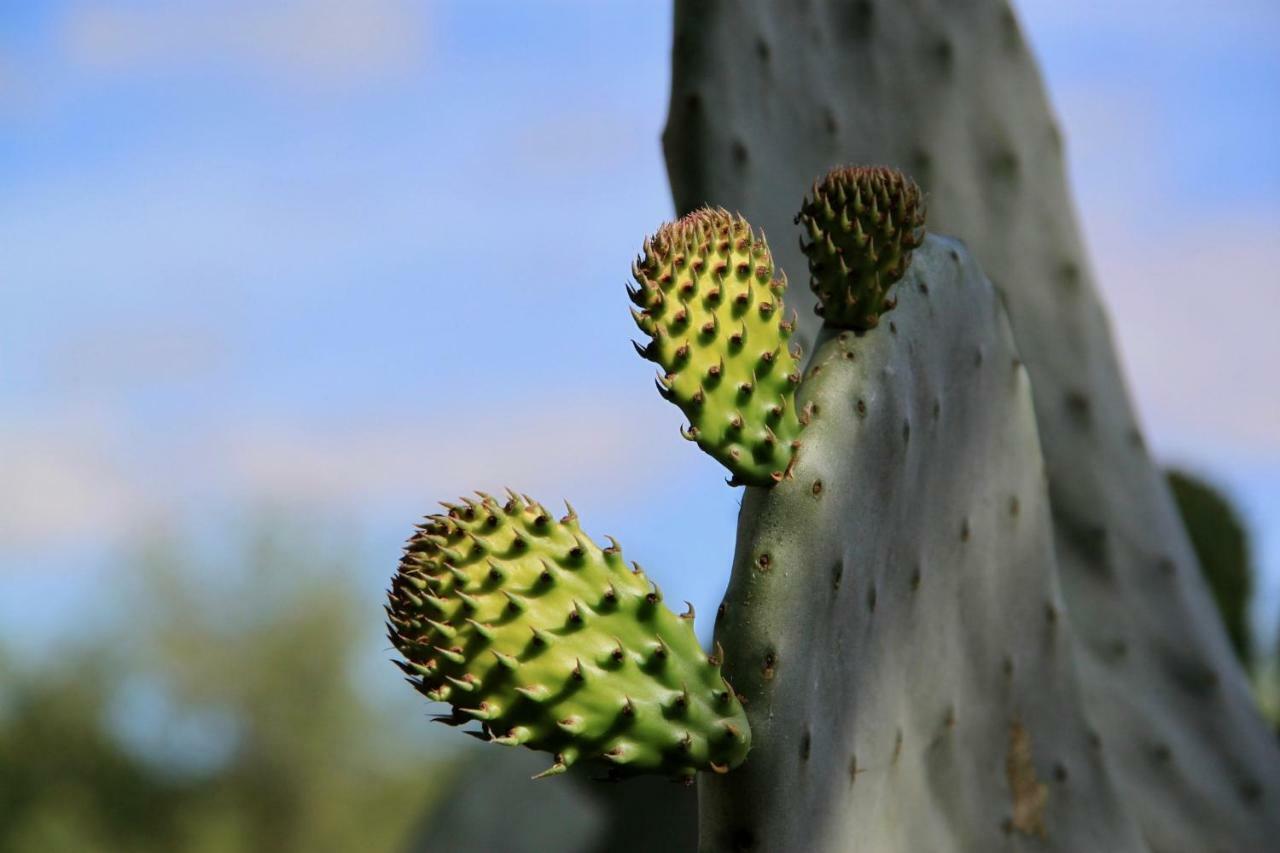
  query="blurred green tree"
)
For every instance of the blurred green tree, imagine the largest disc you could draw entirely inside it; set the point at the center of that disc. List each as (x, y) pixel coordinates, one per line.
(235, 705)
(1221, 544)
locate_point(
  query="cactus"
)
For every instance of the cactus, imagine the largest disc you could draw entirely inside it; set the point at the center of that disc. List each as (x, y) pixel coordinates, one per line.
(862, 224)
(523, 623)
(960, 613)
(714, 315)
(765, 96)
(931, 700)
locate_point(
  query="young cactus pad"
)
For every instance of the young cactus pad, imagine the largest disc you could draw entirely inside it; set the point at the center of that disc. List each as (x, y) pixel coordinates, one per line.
(523, 623)
(713, 311)
(862, 223)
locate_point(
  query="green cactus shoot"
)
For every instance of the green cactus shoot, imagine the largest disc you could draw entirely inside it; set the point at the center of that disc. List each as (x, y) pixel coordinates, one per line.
(708, 300)
(524, 624)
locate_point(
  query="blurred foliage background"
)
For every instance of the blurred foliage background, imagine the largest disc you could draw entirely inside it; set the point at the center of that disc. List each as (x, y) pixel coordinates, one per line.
(224, 703)
(1221, 544)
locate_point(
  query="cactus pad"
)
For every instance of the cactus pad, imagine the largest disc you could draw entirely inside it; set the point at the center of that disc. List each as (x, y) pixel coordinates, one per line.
(862, 224)
(894, 618)
(523, 623)
(713, 311)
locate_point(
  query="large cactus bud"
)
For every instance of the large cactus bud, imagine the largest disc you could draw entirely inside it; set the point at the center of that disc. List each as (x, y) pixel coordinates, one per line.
(862, 223)
(713, 311)
(521, 622)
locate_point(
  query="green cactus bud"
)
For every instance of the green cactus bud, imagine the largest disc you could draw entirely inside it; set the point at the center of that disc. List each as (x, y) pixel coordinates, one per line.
(862, 225)
(713, 311)
(524, 624)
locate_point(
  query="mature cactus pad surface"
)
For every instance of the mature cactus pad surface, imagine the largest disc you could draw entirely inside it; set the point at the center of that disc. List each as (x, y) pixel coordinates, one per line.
(894, 619)
(713, 311)
(523, 623)
(767, 95)
(862, 224)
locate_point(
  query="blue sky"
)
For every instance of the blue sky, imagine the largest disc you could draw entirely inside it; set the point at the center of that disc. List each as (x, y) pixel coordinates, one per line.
(350, 259)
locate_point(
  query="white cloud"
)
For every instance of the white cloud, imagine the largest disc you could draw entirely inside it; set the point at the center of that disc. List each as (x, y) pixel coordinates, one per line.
(1192, 284)
(1195, 312)
(81, 475)
(323, 42)
(1115, 168)
(547, 449)
(132, 355)
(63, 481)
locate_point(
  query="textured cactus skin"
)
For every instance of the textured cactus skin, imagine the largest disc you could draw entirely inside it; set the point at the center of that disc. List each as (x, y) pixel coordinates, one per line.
(862, 224)
(714, 315)
(522, 622)
(767, 95)
(931, 701)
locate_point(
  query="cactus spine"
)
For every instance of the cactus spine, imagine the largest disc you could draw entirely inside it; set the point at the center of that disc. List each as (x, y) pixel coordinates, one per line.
(523, 623)
(708, 300)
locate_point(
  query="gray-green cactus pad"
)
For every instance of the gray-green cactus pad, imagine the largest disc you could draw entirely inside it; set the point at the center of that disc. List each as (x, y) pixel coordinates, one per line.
(765, 98)
(894, 620)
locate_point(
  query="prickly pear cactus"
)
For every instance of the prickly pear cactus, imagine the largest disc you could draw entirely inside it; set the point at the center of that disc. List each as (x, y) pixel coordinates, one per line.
(708, 300)
(523, 623)
(767, 95)
(894, 619)
(862, 223)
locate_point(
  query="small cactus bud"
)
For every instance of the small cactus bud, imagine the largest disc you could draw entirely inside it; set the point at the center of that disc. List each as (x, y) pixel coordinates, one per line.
(863, 224)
